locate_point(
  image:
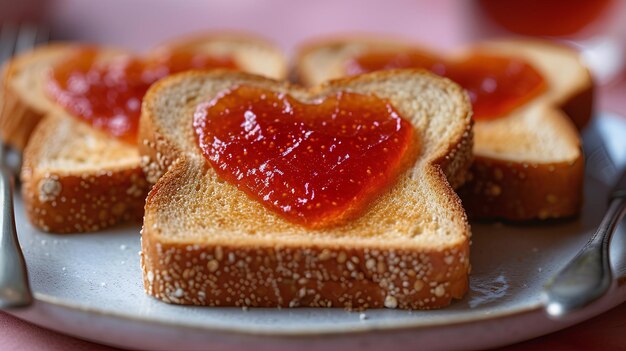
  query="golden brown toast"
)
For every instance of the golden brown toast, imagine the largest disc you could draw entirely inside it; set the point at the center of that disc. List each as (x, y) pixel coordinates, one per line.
(528, 164)
(205, 242)
(76, 178)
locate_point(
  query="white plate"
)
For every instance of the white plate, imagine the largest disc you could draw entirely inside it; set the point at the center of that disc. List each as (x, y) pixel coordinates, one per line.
(90, 286)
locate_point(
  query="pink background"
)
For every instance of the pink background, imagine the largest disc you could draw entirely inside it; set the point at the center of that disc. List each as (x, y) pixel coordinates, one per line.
(139, 24)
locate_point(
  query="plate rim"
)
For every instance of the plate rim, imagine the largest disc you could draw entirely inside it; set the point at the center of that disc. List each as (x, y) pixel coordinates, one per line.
(618, 287)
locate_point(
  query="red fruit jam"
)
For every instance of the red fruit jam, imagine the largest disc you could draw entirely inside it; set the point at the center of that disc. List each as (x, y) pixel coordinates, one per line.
(496, 84)
(107, 94)
(377, 61)
(316, 164)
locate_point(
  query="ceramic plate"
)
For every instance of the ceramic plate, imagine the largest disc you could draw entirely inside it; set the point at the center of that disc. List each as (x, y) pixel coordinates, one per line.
(90, 286)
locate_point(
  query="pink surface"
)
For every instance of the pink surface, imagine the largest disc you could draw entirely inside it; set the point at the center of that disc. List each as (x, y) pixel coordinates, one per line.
(140, 24)
(283, 21)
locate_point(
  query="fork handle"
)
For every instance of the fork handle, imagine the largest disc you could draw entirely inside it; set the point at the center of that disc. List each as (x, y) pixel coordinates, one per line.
(14, 287)
(587, 277)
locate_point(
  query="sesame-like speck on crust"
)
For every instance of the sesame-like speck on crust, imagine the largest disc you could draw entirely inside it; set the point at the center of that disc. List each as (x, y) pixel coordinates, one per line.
(349, 278)
(83, 203)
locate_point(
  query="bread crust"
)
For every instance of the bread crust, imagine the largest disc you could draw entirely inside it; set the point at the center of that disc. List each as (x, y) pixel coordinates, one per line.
(278, 272)
(85, 203)
(579, 105)
(493, 191)
(18, 117)
(500, 189)
(17, 120)
(67, 201)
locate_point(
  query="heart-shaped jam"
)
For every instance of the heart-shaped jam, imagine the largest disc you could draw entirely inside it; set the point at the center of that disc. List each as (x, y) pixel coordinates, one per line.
(315, 164)
(107, 94)
(496, 85)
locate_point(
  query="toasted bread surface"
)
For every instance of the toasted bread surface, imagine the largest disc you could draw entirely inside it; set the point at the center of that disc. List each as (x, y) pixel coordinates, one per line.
(98, 179)
(23, 102)
(515, 153)
(205, 242)
(253, 54)
(78, 179)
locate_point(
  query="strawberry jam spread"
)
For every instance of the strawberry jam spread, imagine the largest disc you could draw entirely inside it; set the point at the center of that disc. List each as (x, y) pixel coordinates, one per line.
(495, 84)
(376, 61)
(107, 94)
(316, 164)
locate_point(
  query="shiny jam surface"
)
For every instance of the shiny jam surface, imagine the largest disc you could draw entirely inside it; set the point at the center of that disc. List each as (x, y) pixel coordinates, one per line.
(315, 164)
(496, 84)
(376, 61)
(108, 94)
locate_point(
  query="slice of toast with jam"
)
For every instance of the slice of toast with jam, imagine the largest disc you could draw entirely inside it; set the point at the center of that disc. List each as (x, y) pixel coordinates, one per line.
(73, 109)
(341, 195)
(529, 98)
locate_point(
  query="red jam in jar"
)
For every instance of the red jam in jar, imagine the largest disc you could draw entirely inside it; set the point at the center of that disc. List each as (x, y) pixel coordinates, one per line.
(108, 93)
(315, 164)
(496, 85)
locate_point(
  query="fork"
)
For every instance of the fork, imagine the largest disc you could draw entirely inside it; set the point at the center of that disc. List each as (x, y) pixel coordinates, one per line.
(14, 285)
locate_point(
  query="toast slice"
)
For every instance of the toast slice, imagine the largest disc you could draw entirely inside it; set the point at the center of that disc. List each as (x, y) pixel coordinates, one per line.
(76, 178)
(528, 164)
(205, 242)
(23, 102)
